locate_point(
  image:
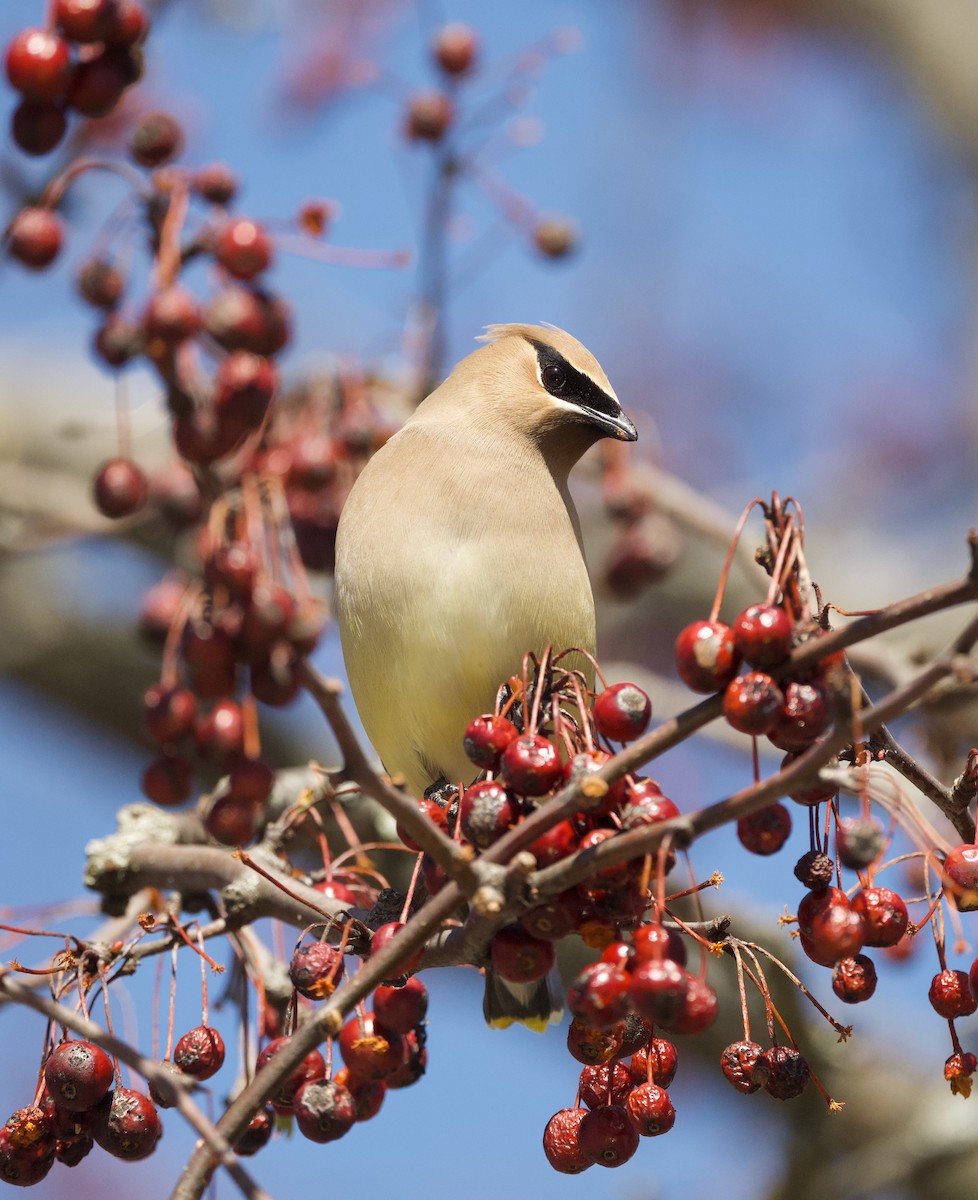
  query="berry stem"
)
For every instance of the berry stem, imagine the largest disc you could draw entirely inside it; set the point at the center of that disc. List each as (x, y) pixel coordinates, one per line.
(731, 551)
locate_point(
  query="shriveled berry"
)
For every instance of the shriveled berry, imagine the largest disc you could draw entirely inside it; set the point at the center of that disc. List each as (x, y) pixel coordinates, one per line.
(560, 1142)
(519, 957)
(788, 1072)
(706, 656)
(414, 1061)
(531, 766)
(958, 1069)
(765, 831)
(313, 1066)
(401, 1009)
(622, 712)
(599, 995)
(486, 738)
(606, 1083)
(884, 914)
(200, 1052)
(951, 996)
(762, 634)
(78, 1074)
(607, 1136)
(655, 1062)
(854, 979)
(324, 1110)
(127, 1124)
(752, 703)
(243, 248)
(588, 1044)
(120, 488)
(23, 1166)
(34, 237)
(650, 1110)
(815, 870)
(315, 969)
(744, 1066)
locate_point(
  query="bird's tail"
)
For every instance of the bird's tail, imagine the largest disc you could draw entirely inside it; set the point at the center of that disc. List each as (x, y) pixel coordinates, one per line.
(535, 1005)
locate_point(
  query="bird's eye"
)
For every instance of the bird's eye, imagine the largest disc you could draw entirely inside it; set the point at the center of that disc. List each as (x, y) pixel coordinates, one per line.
(553, 378)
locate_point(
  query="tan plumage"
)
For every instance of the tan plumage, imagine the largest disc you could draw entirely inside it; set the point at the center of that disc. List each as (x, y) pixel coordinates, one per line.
(459, 547)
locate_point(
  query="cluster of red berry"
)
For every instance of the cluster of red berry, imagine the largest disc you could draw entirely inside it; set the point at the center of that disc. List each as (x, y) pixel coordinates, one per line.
(76, 1109)
(82, 62)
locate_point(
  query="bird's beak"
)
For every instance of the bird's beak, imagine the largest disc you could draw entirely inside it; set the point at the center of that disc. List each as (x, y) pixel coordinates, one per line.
(619, 427)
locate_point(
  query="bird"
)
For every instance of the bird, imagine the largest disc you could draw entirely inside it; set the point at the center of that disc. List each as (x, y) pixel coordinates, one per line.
(459, 550)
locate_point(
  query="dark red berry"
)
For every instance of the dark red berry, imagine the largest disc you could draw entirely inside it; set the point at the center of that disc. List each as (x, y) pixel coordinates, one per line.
(816, 871)
(78, 1074)
(699, 1009)
(216, 183)
(650, 1110)
(167, 780)
(221, 731)
(762, 634)
(258, 1134)
(607, 1136)
(250, 780)
(84, 20)
(243, 248)
(414, 1061)
(486, 738)
(803, 717)
(156, 139)
(653, 941)
(588, 1044)
(859, 842)
(21, 1165)
(96, 85)
(560, 1142)
(752, 703)
(531, 766)
(100, 283)
(120, 488)
(556, 918)
(788, 1072)
(313, 1066)
(324, 1110)
(599, 995)
(951, 996)
(808, 797)
(34, 237)
(370, 1051)
(706, 657)
(558, 842)
(622, 712)
(519, 957)
(765, 831)
(168, 713)
(429, 116)
(401, 1009)
(658, 990)
(37, 126)
(244, 386)
(200, 1052)
(171, 316)
(129, 23)
(606, 1083)
(382, 937)
(38, 64)
(960, 875)
(118, 341)
(127, 1124)
(315, 970)
(835, 932)
(231, 820)
(854, 979)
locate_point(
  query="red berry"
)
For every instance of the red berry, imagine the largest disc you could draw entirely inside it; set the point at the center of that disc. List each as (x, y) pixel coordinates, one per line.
(599, 995)
(519, 957)
(788, 1072)
(200, 1052)
(216, 183)
(762, 634)
(699, 1009)
(231, 820)
(654, 941)
(100, 283)
(804, 716)
(171, 316)
(810, 796)
(383, 935)
(250, 780)
(765, 831)
(401, 1009)
(454, 48)
(429, 116)
(588, 1044)
(315, 970)
(859, 842)
(486, 810)
(414, 1061)
(370, 1051)
(208, 654)
(96, 85)
(558, 842)
(368, 1094)
(658, 990)
(531, 766)
(244, 387)
(77, 1075)
(120, 488)
(34, 237)
(221, 731)
(118, 341)
(607, 1136)
(560, 1142)
(706, 657)
(815, 902)
(836, 932)
(38, 64)
(84, 20)
(167, 780)
(127, 1124)
(156, 139)
(324, 1110)
(752, 703)
(235, 319)
(243, 248)
(37, 126)
(128, 25)
(605, 1083)
(650, 1110)
(884, 915)
(486, 738)
(622, 712)
(168, 713)
(854, 979)
(951, 996)
(258, 1134)
(961, 876)
(23, 1166)
(744, 1066)
(656, 1062)
(556, 918)
(313, 1066)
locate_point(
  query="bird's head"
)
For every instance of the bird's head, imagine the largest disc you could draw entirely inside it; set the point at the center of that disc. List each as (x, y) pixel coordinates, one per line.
(540, 382)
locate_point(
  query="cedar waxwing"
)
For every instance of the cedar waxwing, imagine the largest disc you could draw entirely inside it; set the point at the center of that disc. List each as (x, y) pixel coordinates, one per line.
(459, 550)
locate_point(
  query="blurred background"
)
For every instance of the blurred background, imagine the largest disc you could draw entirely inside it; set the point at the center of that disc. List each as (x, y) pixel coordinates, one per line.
(770, 212)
